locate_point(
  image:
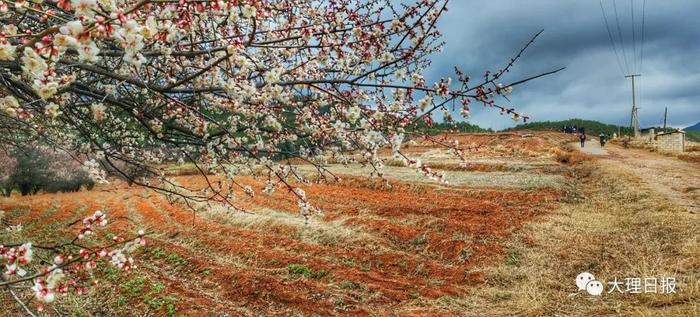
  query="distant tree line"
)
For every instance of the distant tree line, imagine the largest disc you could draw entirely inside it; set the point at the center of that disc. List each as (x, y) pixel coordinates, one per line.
(455, 127)
(593, 128)
(31, 170)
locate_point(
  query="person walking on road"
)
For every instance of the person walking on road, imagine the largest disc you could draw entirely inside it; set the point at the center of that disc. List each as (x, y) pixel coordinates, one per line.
(582, 138)
(602, 138)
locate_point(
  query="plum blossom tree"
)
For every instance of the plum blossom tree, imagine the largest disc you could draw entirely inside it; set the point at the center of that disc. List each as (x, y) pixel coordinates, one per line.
(229, 85)
(221, 84)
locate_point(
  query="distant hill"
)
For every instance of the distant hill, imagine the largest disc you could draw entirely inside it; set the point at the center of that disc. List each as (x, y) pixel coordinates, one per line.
(595, 128)
(592, 127)
(461, 127)
(695, 127)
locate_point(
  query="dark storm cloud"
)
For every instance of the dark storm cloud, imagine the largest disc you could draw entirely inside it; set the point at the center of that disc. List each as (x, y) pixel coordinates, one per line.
(483, 35)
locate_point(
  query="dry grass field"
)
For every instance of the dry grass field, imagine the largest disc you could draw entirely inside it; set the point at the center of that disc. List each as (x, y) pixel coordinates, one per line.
(506, 236)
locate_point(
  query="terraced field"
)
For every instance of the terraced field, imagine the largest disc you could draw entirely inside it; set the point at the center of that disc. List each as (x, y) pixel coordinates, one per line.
(412, 248)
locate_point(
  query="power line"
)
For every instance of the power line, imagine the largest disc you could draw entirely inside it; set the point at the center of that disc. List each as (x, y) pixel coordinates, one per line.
(634, 39)
(622, 41)
(641, 57)
(637, 60)
(612, 42)
(641, 54)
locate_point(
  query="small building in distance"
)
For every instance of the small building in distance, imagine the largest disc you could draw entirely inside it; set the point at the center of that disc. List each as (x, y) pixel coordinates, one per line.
(673, 141)
(648, 134)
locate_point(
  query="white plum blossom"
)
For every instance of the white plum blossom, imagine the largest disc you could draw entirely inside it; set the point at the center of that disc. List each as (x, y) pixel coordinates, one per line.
(98, 218)
(386, 58)
(10, 29)
(45, 90)
(269, 187)
(249, 191)
(58, 260)
(95, 171)
(305, 208)
(54, 278)
(44, 290)
(10, 106)
(108, 5)
(52, 110)
(7, 51)
(72, 28)
(42, 293)
(353, 113)
(442, 88)
(300, 193)
(248, 11)
(417, 78)
(400, 74)
(62, 42)
(424, 103)
(505, 90)
(130, 35)
(357, 33)
(88, 52)
(272, 124)
(339, 128)
(396, 141)
(84, 8)
(98, 111)
(150, 28)
(17, 259)
(273, 76)
(33, 65)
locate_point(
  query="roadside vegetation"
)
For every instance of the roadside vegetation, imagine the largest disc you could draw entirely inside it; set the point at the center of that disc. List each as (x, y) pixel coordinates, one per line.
(612, 225)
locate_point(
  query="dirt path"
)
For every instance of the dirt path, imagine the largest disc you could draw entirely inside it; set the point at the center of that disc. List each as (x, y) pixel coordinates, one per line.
(592, 147)
(677, 180)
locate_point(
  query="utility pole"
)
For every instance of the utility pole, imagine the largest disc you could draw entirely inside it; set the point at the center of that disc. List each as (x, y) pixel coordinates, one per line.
(665, 116)
(635, 118)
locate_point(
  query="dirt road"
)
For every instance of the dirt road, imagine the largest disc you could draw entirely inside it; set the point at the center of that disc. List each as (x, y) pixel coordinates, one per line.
(676, 179)
(592, 147)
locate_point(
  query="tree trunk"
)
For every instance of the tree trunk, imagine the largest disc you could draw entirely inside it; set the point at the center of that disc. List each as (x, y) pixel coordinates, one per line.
(25, 189)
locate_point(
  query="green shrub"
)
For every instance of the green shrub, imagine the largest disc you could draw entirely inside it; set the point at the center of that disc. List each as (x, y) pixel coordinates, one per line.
(32, 171)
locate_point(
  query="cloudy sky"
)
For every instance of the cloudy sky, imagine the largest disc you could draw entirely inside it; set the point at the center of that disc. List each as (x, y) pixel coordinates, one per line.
(482, 35)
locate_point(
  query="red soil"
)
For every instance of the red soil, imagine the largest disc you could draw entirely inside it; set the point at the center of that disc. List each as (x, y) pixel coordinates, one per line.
(426, 257)
(423, 242)
(512, 144)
